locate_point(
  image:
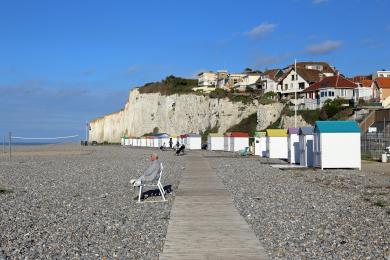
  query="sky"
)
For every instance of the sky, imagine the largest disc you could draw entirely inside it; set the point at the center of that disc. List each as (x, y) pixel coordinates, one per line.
(63, 63)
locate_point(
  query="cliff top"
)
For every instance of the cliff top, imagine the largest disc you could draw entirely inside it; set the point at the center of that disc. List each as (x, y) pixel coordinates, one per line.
(169, 86)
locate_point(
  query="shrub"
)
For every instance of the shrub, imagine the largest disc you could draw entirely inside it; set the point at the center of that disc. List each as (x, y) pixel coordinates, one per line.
(247, 125)
(169, 86)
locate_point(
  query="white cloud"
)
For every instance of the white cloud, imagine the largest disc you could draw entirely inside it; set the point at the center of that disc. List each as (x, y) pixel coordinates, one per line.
(319, 1)
(261, 30)
(323, 47)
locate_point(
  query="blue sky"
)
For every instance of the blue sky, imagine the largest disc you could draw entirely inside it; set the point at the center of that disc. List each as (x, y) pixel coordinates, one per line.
(64, 62)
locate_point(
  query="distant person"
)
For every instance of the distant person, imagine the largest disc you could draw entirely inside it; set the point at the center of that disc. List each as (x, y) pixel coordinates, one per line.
(151, 174)
(170, 143)
(181, 149)
(163, 147)
(177, 146)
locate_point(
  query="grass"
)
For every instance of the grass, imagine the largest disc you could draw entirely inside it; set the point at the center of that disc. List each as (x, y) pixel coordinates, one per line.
(247, 125)
(209, 130)
(380, 203)
(169, 86)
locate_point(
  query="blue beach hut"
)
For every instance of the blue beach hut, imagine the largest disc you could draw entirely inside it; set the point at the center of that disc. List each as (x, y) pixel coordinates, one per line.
(337, 144)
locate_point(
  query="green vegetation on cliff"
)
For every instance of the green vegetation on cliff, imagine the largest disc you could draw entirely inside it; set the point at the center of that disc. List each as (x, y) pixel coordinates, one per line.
(247, 125)
(169, 86)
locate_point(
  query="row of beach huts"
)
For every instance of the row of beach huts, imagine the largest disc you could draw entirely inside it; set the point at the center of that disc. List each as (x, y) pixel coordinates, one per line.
(329, 144)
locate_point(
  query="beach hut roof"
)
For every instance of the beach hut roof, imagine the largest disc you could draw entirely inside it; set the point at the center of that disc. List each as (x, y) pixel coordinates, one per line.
(260, 134)
(193, 135)
(276, 132)
(336, 127)
(293, 130)
(307, 130)
(215, 135)
(237, 134)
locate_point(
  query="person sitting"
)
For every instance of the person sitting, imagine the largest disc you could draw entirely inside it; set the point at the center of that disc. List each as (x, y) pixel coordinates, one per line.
(163, 147)
(151, 174)
(181, 149)
(177, 146)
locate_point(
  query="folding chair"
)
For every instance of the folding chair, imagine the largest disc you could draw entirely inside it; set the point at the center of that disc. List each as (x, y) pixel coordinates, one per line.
(158, 185)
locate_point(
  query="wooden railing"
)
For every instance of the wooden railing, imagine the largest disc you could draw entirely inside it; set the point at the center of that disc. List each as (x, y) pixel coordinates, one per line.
(375, 116)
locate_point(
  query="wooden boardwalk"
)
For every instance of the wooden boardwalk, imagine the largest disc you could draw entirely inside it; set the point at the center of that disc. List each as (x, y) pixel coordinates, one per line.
(204, 224)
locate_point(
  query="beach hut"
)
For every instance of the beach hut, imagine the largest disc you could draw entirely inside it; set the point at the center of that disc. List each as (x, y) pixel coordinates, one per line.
(260, 144)
(127, 141)
(142, 141)
(193, 141)
(163, 139)
(215, 142)
(122, 141)
(277, 143)
(306, 146)
(337, 144)
(238, 141)
(226, 142)
(293, 145)
(137, 142)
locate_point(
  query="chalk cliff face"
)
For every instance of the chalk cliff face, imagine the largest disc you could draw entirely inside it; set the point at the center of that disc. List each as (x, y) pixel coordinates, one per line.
(176, 114)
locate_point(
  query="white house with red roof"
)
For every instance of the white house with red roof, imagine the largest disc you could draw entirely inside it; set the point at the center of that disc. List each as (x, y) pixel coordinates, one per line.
(328, 88)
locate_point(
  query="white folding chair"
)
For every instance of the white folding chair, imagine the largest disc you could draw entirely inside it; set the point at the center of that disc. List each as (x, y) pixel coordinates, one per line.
(158, 185)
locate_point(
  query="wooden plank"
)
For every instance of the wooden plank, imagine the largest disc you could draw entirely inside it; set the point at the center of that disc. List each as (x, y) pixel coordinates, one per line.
(204, 224)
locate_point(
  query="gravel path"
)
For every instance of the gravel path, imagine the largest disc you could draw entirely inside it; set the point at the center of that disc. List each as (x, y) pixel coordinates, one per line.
(311, 214)
(70, 202)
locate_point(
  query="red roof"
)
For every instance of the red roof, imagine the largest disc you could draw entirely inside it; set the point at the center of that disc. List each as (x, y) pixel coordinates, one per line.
(237, 134)
(383, 82)
(331, 82)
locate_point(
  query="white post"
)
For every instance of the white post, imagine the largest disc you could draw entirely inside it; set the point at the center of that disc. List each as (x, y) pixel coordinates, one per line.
(86, 131)
(295, 93)
(10, 137)
(4, 144)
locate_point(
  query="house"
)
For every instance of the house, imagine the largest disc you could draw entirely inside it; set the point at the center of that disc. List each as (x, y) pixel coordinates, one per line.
(260, 144)
(233, 79)
(381, 74)
(293, 145)
(269, 80)
(277, 143)
(222, 78)
(297, 81)
(320, 66)
(381, 89)
(328, 88)
(207, 79)
(337, 144)
(248, 81)
(306, 146)
(363, 90)
(215, 142)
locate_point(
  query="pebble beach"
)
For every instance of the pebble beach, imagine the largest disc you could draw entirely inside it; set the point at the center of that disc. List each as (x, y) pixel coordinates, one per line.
(67, 201)
(72, 202)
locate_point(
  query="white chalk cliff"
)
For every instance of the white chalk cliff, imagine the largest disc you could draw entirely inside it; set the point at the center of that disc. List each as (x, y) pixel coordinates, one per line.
(176, 114)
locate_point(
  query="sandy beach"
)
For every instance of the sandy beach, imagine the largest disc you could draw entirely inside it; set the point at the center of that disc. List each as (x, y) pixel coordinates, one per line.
(68, 201)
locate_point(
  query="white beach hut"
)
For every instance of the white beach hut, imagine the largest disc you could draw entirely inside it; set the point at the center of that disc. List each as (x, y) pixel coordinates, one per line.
(193, 141)
(226, 142)
(163, 139)
(215, 142)
(238, 141)
(122, 141)
(261, 144)
(306, 146)
(337, 144)
(137, 142)
(127, 141)
(277, 143)
(293, 145)
(142, 141)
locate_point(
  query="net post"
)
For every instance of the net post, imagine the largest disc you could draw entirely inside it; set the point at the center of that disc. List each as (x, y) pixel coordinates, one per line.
(3, 143)
(9, 144)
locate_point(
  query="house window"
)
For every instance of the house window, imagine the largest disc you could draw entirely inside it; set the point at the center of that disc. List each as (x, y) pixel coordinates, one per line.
(326, 94)
(285, 86)
(322, 94)
(292, 77)
(302, 85)
(381, 75)
(343, 93)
